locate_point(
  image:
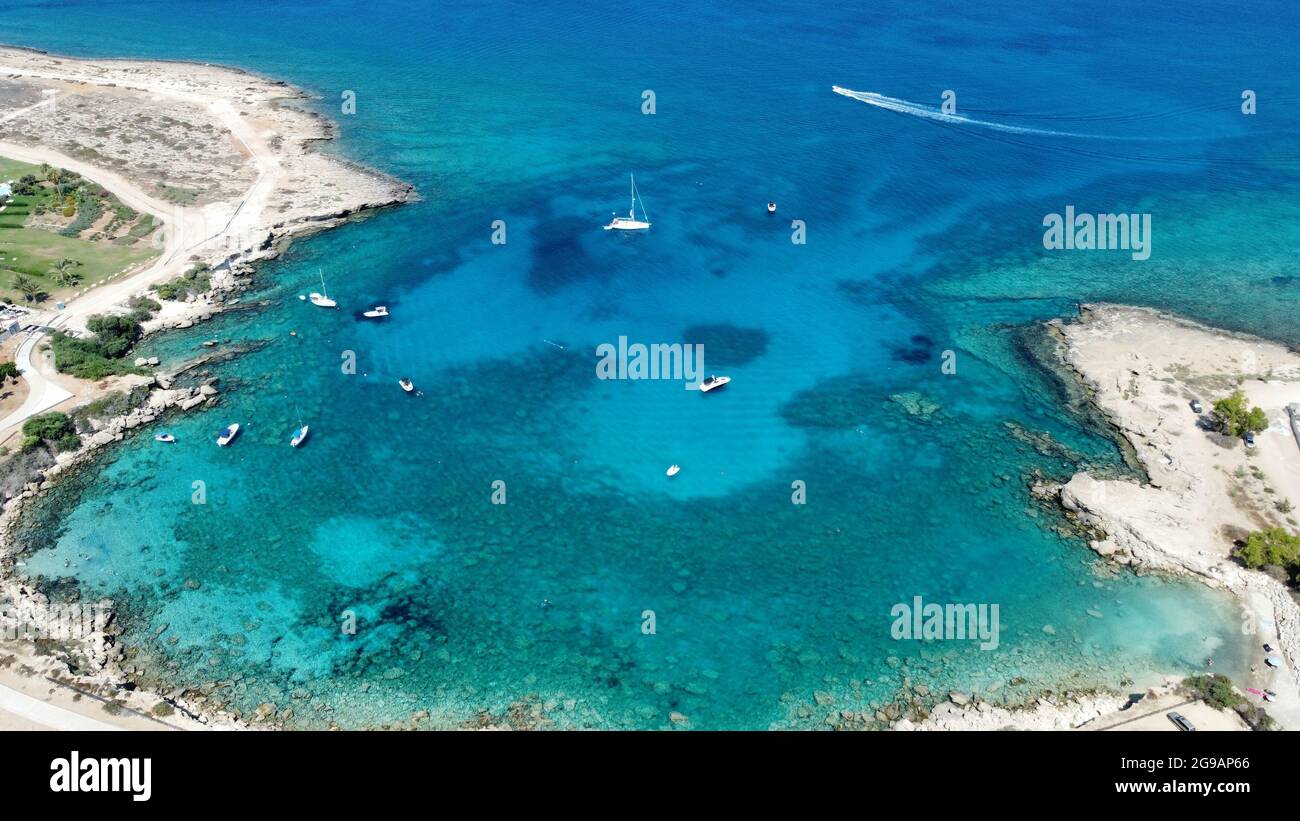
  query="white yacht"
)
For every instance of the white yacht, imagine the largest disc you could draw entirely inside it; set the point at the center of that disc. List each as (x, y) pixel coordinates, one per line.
(630, 222)
(322, 300)
(299, 435)
(377, 312)
(711, 382)
(673, 470)
(228, 435)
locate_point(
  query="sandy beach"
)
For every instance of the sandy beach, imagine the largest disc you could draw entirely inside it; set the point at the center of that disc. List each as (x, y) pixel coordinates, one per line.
(227, 163)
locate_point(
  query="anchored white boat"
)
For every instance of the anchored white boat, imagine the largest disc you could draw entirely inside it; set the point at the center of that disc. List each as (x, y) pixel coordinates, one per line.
(407, 385)
(164, 437)
(228, 434)
(711, 382)
(376, 312)
(673, 470)
(322, 300)
(771, 207)
(630, 222)
(299, 435)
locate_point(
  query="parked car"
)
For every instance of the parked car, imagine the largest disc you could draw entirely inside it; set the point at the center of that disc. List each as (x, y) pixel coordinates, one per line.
(1197, 407)
(1181, 723)
(1250, 439)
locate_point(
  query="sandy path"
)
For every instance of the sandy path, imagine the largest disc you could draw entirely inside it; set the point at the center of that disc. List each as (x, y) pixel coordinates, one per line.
(185, 231)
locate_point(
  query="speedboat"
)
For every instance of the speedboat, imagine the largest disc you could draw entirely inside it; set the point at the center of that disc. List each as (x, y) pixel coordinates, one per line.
(407, 384)
(711, 382)
(164, 437)
(228, 434)
(630, 222)
(673, 470)
(771, 208)
(299, 435)
(377, 312)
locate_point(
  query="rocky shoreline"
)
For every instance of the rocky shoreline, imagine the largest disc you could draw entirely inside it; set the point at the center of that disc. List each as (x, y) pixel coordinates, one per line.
(295, 191)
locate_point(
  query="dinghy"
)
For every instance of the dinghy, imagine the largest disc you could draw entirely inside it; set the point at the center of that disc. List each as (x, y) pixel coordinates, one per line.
(299, 435)
(225, 437)
(407, 385)
(771, 208)
(630, 222)
(164, 437)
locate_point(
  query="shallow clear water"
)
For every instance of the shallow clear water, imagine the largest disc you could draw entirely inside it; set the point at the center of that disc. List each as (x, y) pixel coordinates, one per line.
(922, 237)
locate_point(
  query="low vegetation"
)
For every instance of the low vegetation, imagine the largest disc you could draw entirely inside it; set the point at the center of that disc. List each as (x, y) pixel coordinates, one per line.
(102, 354)
(54, 429)
(1272, 549)
(1218, 692)
(196, 280)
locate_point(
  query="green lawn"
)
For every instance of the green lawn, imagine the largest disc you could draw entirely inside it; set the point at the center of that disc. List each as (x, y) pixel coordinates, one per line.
(12, 169)
(31, 251)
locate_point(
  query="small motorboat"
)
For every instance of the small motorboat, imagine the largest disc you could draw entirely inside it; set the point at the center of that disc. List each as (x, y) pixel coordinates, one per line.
(673, 470)
(407, 384)
(1273, 661)
(164, 437)
(771, 208)
(227, 435)
(711, 382)
(299, 435)
(377, 312)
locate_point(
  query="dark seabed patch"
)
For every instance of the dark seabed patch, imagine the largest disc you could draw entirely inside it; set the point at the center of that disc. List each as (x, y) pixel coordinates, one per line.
(727, 345)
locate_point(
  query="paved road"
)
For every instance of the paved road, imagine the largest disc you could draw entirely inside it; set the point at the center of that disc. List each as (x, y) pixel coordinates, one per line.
(42, 393)
(49, 716)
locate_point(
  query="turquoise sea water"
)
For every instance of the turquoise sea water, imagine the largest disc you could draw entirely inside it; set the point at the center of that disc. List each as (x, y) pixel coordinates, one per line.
(922, 236)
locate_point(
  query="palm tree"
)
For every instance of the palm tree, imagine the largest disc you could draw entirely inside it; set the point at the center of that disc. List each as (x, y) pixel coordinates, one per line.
(63, 273)
(28, 287)
(53, 176)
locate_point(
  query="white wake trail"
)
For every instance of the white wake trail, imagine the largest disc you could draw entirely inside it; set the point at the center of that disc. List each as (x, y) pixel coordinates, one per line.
(917, 110)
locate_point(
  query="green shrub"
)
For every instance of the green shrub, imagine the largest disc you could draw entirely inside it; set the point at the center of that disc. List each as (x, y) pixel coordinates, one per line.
(102, 355)
(49, 427)
(1272, 546)
(1216, 690)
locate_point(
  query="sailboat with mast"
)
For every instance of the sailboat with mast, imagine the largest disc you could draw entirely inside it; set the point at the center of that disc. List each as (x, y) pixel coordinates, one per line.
(322, 300)
(630, 222)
